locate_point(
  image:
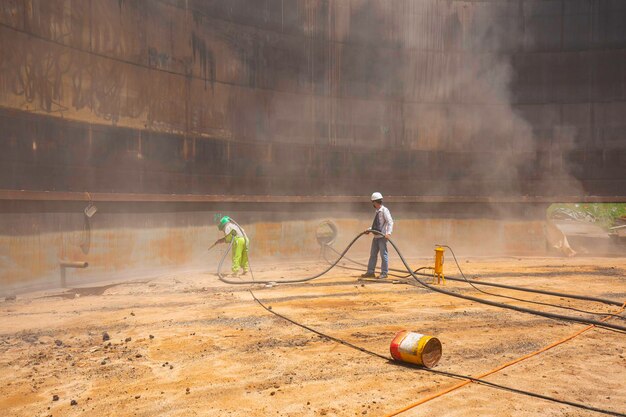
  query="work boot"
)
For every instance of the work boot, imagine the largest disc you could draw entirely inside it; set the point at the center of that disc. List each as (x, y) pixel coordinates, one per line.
(382, 276)
(368, 275)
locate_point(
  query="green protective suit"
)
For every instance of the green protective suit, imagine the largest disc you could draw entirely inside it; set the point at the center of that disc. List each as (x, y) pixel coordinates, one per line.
(240, 252)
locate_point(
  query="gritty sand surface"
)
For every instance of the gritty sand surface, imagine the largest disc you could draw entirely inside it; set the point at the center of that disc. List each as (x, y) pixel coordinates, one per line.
(188, 345)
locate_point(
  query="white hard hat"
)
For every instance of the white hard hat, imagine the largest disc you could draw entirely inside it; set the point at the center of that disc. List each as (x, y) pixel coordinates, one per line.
(377, 196)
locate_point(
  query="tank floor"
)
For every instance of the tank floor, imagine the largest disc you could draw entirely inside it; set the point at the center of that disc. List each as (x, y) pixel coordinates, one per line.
(186, 344)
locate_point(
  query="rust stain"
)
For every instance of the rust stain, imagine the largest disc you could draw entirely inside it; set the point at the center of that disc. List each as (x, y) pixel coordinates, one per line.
(27, 258)
(113, 249)
(18, 260)
(266, 238)
(143, 65)
(174, 248)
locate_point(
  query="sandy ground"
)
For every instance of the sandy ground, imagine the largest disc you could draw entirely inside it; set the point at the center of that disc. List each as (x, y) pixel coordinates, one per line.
(187, 345)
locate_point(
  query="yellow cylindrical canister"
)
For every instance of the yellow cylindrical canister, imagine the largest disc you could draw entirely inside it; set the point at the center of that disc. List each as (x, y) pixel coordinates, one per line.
(416, 348)
(439, 260)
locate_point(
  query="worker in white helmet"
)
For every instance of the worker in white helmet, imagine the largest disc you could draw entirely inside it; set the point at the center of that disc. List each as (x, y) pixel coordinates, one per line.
(383, 223)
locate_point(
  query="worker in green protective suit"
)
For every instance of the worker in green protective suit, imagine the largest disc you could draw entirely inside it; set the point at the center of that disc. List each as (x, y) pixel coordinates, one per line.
(235, 234)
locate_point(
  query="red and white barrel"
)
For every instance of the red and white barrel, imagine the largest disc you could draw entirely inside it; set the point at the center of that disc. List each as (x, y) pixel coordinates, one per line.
(416, 348)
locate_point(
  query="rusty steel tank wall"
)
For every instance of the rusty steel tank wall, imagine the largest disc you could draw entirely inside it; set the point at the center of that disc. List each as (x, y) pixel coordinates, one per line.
(147, 239)
(314, 97)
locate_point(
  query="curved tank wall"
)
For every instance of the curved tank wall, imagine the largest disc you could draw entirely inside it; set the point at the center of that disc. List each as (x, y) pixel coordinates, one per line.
(314, 97)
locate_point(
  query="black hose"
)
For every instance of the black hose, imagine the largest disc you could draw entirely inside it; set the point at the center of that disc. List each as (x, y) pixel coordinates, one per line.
(429, 286)
(523, 300)
(288, 281)
(471, 282)
(361, 349)
(443, 373)
(494, 284)
(556, 294)
(502, 305)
